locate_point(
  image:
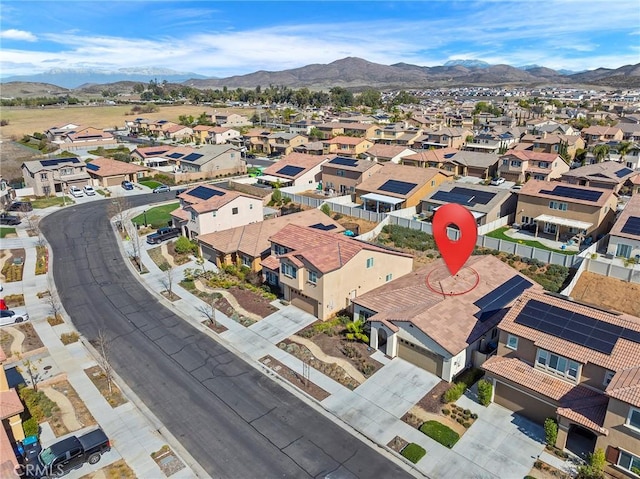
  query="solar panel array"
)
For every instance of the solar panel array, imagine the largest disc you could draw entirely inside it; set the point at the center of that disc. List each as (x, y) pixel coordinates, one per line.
(155, 152)
(92, 167)
(574, 327)
(320, 226)
(57, 161)
(573, 193)
(398, 187)
(192, 156)
(500, 297)
(175, 155)
(205, 193)
(623, 172)
(464, 196)
(632, 226)
(290, 170)
(341, 160)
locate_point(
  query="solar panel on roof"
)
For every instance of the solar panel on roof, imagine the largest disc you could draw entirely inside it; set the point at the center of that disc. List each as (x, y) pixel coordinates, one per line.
(192, 156)
(574, 193)
(464, 196)
(175, 155)
(632, 226)
(320, 226)
(155, 152)
(204, 193)
(290, 170)
(497, 299)
(344, 161)
(623, 172)
(449, 155)
(398, 187)
(57, 161)
(92, 167)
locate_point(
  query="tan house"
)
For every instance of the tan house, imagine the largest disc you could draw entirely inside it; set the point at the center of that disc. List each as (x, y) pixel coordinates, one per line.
(295, 169)
(248, 245)
(207, 209)
(55, 175)
(446, 137)
(394, 187)
(601, 134)
(342, 175)
(410, 317)
(608, 174)
(384, 153)
(205, 161)
(7, 193)
(575, 364)
(346, 146)
(85, 137)
(283, 143)
(523, 165)
(152, 156)
(425, 158)
(550, 143)
(566, 212)
(178, 133)
(229, 121)
(105, 172)
(201, 134)
(322, 272)
(402, 134)
(624, 237)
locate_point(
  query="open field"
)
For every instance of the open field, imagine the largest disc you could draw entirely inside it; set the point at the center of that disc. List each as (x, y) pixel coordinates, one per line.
(25, 121)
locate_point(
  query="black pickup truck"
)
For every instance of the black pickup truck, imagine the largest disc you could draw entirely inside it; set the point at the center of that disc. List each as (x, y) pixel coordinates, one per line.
(163, 234)
(67, 454)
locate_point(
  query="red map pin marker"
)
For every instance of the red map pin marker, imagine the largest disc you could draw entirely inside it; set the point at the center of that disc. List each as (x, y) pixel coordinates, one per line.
(454, 253)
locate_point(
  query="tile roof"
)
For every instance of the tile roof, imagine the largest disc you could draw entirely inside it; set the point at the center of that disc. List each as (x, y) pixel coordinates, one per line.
(303, 160)
(271, 262)
(625, 353)
(534, 188)
(386, 151)
(526, 155)
(253, 239)
(449, 320)
(153, 151)
(409, 174)
(605, 172)
(360, 166)
(10, 404)
(345, 140)
(215, 202)
(426, 156)
(111, 167)
(632, 208)
(625, 386)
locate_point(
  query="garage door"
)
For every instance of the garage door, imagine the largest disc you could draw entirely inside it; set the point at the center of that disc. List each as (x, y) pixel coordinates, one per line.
(115, 180)
(523, 404)
(420, 356)
(304, 303)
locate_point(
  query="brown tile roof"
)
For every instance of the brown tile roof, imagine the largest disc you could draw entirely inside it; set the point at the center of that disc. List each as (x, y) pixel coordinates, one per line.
(600, 130)
(345, 140)
(605, 172)
(526, 155)
(110, 167)
(625, 386)
(271, 262)
(180, 214)
(589, 412)
(449, 320)
(361, 166)
(253, 239)
(302, 160)
(215, 202)
(437, 156)
(325, 251)
(10, 404)
(535, 187)
(203, 128)
(631, 209)
(625, 353)
(148, 151)
(534, 169)
(408, 174)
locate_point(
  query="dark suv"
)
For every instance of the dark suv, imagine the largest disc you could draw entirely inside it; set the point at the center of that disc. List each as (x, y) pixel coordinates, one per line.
(9, 220)
(21, 206)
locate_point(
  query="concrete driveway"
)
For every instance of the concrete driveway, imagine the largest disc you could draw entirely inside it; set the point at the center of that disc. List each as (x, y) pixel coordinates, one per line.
(282, 324)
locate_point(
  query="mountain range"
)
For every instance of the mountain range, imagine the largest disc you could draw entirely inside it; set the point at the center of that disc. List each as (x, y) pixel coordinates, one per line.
(354, 73)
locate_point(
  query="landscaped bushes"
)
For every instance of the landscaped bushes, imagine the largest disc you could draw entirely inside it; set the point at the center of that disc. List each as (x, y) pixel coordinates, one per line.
(185, 246)
(414, 452)
(440, 433)
(550, 431)
(454, 392)
(485, 390)
(39, 406)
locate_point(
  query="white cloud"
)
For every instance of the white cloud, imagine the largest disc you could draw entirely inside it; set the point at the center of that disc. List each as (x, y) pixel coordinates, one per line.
(18, 35)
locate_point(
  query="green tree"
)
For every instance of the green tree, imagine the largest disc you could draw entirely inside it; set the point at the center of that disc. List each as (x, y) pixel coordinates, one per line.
(276, 196)
(550, 431)
(623, 148)
(326, 209)
(370, 98)
(341, 97)
(355, 330)
(595, 468)
(315, 133)
(601, 152)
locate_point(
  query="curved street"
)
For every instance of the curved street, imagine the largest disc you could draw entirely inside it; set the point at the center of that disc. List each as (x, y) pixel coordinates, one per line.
(234, 421)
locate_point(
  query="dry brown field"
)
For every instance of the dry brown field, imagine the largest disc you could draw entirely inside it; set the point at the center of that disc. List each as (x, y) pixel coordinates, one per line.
(26, 121)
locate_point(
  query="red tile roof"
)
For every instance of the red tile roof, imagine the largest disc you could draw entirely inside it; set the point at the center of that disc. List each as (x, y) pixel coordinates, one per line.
(625, 386)
(526, 155)
(109, 167)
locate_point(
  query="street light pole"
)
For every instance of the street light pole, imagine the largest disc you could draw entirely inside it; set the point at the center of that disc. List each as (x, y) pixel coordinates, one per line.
(145, 218)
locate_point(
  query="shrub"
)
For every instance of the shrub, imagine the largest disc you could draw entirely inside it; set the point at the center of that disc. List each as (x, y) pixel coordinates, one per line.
(440, 433)
(55, 320)
(466, 424)
(367, 369)
(474, 416)
(38, 404)
(470, 376)
(454, 392)
(550, 431)
(595, 468)
(485, 390)
(30, 427)
(446, 412)
(276, 196)
(414, 452)
(68, 338)
(326, 209)
(184, 245)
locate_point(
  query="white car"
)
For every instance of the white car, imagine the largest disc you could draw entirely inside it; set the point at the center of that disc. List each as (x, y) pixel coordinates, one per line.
(497, 181)
(88, 190)
(13, 316)
(75, 192)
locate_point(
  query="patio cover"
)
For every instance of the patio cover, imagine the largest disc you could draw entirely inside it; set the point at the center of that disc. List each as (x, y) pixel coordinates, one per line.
(476, 214)
(390, 200)
(274, 179)
(556, 220)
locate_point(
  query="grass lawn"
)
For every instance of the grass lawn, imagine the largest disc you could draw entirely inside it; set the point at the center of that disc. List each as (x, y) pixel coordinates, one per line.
(441, 433)
(158, 216)
(414, 452)
(51, 201)
(6, 231)
(150, 183)
(500, 234)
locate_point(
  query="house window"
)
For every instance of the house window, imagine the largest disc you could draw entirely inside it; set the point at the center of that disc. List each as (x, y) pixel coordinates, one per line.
(558, 205)
(433, 182)
(628, 461)
(289, 270)
(608, 376)
(214, 214)
(250, 206)
(340, 173)
(516, 163)
(234, 211)
(369, 262)
(557, 364)
(193, 216)
(623, 250)
(246, 261)
(505, 162)
(512, 342)
(43, 176)
(634, 418)
(313, 277)
(526, 220)
(543, 164)
(389, 277)
(66, 171)
(277, 249)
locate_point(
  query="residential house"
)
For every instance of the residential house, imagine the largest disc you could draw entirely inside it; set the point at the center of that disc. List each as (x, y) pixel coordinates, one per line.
(484, 143)
(446, 137)
(219, 135)
(86, 137)
(105, 172)
(310, 148)
(7, 193)
(396, 134)
(283, 143)
(153, 156)
(624, 237)
(56, 175)
(342, 175)
(346, 146)
(323, 272)
(522, 165)
(383, 153)
(411, 318)
(630, 131)
(486, 203)
(232, 120)
(472, 163)
(206, 161)
(565, 211)
(201, 134)
(608, 174)
(249, 244)
(206, 209)
(550, 143)
(178, 133)
(434, 158)
(578, 365)
(56, 134)
(394, 187)
(295, 169)
(599, 134)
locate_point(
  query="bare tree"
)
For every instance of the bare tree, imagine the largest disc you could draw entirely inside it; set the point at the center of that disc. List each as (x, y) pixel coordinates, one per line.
(55, 308)
(136, 246)
(208, 309)
(117, 209)
(168, 279)
(103, 345)
(31, 368)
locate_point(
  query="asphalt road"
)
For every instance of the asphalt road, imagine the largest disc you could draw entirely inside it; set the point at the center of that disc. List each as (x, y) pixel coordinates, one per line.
(233, 420)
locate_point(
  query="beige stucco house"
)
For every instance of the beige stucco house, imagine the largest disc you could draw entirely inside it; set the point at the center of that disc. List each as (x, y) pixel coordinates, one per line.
(342, 175)
(624, 237)
(295, 169)
(346, 146)
(523, 165)
(607, 174)
(55, 175)
(105, 172)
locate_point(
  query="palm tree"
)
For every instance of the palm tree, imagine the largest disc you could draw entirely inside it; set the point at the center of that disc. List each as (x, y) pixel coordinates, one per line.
(623, 148)
(601, 152)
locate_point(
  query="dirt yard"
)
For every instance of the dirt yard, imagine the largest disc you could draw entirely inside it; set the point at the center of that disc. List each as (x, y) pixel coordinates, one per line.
(294, 378)
(349, 222)
(608, 293)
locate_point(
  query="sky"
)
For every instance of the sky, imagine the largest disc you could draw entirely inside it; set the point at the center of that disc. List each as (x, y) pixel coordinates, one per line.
(220, 39)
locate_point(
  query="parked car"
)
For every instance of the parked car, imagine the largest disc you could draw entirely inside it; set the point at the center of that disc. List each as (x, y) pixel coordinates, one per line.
(68, 454)
(13, 316)
(127, 185)
(75, 192)
(11, 220)
(497, 181)
(163, 234)
(88, 190)
(161, 189)
(21, 206)
(180, 191)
